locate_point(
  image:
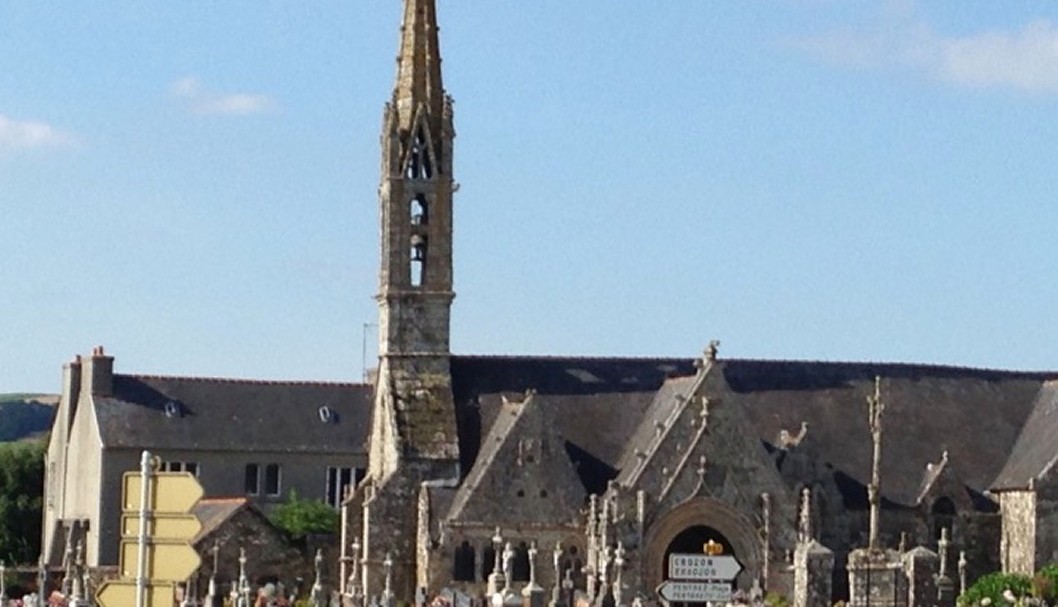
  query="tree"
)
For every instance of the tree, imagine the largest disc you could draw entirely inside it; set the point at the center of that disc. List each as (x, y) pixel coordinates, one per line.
(21, 497)
(301, 517)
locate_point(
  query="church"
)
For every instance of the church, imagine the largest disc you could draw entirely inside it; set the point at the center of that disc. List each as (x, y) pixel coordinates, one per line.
(584, 474)
(600, 460)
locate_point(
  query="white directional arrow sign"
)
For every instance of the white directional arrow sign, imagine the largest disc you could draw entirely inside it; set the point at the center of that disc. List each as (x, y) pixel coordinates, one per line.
(695, 592)
(703, 567)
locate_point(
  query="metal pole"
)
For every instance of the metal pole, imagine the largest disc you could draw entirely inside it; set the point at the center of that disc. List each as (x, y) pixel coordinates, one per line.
(141, 557)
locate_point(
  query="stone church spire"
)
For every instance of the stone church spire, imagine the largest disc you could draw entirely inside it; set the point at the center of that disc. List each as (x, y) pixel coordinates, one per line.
(414, 418)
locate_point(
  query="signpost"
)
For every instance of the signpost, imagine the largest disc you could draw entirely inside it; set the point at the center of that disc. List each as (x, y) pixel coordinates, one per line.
(703, 567)
(695, 592)
(699, 578)
(156, 527)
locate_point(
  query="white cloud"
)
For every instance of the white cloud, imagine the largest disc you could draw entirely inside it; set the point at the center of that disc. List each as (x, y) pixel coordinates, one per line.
(202, 101)
(1025, 59)
(27, 134)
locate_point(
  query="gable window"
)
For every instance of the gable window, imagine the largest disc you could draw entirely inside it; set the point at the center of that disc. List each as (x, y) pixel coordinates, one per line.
(943, 511)
(271, 479)
(253, 479)
(339, 480)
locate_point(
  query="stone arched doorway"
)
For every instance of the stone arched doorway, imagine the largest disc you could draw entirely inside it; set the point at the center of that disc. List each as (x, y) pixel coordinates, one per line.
(692, 523)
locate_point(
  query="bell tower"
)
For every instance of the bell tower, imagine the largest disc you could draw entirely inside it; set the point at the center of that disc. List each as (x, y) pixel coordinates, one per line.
(414, 416)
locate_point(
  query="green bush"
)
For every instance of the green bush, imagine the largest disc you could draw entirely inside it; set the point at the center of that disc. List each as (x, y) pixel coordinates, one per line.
(774, 599)
(301, 517)
(1045, 583)
(992, 587)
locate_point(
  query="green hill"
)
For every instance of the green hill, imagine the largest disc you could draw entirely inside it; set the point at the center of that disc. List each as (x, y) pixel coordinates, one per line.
(25, 415)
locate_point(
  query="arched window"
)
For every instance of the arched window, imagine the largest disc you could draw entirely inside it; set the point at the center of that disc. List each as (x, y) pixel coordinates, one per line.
(520, 567)
(488, 561)
(418, 260)
(419, 165)
(418, 211)
(943, 516)
(463, 567)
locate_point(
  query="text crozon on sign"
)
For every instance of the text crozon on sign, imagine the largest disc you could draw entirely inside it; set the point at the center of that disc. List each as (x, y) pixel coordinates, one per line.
(703, 567)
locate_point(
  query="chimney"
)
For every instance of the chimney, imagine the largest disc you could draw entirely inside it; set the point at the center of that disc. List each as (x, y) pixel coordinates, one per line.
(71, 389)
(97, 377)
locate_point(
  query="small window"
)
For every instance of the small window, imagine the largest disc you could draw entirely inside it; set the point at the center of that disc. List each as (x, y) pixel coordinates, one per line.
(488, 561)
(418, 260)
(253, 479)
(417, 211)
(272, 480)
(176, 466)
(464, 566)
(520, 566)
(338, 481)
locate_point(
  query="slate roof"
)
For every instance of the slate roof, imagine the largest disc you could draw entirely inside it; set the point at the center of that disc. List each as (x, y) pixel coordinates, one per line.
(524, 465)
(976, 414)
(234, 415)
(597, 402)
(213, 512)
(1036, 450)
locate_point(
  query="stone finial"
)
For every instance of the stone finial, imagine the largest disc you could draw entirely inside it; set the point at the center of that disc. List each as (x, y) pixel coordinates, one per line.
(316, 594)
(532, 563)
(765, 538)
(243, 591)
(508, 567)
(387, 588)
(962, 572)
(942, 551)
(712, 350)
(556, 560)
(875, 408)
(787, 440)
(353, 583)
(497, 545)
(619, 563)
(77, 584)
(211, 591)
(804, 518)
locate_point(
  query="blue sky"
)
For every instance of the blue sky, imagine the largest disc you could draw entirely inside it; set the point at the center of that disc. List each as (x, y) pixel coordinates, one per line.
(193, 185)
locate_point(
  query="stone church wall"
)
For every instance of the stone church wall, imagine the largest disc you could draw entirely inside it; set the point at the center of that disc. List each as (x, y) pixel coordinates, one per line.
(1018, 542)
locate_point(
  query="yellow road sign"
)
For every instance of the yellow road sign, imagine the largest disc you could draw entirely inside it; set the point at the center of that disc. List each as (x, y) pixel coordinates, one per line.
(122, 593)
(162, 526)
(166, 561)
(170, 491)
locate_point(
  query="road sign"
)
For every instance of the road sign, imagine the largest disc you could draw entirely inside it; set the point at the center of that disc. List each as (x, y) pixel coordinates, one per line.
(166, 561)
(703, 567)
(162, 526)
(170, 492)
(122, 593)
(695, 592)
